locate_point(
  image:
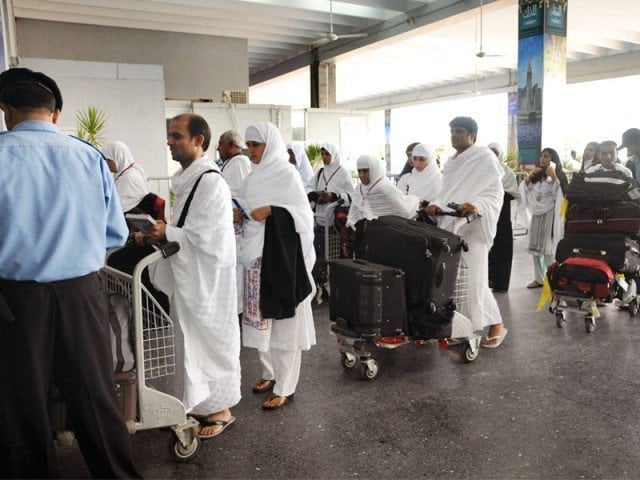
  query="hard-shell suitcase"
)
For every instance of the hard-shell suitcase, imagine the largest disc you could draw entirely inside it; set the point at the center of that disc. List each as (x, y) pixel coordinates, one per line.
(602, 187)
(430, 257)
(621, 217)
(619, 251)
(584, 276)
(367, 297)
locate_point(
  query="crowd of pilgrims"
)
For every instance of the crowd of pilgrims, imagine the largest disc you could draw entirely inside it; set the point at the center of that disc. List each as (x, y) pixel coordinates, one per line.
(280, 208)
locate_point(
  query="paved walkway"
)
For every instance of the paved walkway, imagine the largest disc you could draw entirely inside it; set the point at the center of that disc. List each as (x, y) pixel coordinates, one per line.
(549, 403)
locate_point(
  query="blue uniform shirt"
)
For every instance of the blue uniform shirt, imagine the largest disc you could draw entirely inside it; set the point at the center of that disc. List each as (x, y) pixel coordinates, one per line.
(59, 209)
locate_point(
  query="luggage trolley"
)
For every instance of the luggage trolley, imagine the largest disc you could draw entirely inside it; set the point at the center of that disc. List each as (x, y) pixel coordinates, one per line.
(355, 348)
(155, 353)
(625, 296)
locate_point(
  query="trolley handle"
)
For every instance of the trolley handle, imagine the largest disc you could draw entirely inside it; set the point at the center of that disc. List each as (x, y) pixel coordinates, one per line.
(169, 249)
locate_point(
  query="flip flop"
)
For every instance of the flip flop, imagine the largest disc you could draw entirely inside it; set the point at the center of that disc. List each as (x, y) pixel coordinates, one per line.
(498, 339)
(285, 400)
(267, 388)
(534, 284)
(212, 423)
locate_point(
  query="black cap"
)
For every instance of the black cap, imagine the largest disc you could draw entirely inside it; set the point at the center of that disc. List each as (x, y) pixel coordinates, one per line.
(630, 137)
(14, 76)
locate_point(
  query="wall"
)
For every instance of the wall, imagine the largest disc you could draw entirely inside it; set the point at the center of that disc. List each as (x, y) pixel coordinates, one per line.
(195, 66)
(114, 88)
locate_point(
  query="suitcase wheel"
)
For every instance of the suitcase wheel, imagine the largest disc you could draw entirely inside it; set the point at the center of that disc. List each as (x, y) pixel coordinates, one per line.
(369, 369)
(348, 360)
(590, 324)
(467, 354)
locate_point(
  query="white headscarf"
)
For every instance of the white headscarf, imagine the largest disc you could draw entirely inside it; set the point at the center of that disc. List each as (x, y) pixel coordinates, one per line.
(425, 184)
(335, 158)
(130, 180)
(303, 165)
(273, 182)
(380, 197)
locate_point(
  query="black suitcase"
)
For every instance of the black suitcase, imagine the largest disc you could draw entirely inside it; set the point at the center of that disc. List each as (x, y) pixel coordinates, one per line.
(602, 187)
(430, 257)
(622, 217)
(619, 251)
(367, 298)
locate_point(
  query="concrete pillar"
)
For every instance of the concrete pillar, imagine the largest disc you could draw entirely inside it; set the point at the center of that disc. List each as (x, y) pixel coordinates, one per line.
(542, 74)
(327, 85)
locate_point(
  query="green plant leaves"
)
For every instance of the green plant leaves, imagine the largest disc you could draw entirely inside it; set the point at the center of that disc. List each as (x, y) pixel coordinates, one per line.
(91, 124)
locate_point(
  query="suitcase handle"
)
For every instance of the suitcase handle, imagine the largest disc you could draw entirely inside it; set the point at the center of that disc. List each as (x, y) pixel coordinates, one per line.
(586, 251)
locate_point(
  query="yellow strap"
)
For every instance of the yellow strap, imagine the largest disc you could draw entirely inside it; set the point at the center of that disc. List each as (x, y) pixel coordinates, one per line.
(563, 208)
(546, 296)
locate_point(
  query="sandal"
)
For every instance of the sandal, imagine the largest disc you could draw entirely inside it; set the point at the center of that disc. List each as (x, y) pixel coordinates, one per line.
(263, 386)
(495, 342)
(281, 403)
(534, 284)
(204, 423)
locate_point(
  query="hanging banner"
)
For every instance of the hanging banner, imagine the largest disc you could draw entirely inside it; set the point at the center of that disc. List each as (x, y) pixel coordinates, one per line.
(542, 29)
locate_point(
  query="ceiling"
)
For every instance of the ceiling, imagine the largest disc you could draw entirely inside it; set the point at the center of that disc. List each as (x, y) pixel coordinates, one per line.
(415, 50)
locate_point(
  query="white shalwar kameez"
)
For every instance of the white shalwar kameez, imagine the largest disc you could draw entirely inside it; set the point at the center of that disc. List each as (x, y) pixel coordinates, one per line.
(331, 178)
(200, 282)
(234, 171)
(380, 197)
(543, 200)
(275, 182)
(425, 184)
(475, 176)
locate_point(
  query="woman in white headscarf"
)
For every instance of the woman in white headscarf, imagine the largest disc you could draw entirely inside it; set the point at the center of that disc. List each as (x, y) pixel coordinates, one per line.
(376, 196)
(425, 179)
(501, 253)
(277, 234)
(129, 177)
(331, 184)
(298, 157)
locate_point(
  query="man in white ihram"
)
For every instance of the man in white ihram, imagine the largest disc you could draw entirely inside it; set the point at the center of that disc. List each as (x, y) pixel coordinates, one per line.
(200, 279)
(235, 168)
(472, 178)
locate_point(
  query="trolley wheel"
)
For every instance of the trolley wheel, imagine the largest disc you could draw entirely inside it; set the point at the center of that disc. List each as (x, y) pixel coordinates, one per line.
(467, 354)
(560, 319)
(184, 454)
(634, 307)
(590, 324)
(348, 360)
(370, 370)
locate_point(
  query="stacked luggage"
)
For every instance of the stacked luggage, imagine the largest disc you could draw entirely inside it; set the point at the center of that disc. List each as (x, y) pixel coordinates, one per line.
(404, 286)
(598, 260)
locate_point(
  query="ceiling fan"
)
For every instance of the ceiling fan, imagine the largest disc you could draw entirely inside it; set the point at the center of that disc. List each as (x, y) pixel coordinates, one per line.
(481, 53)
(331, 36)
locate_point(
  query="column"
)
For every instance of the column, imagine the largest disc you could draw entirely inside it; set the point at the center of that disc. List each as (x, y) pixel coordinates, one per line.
(542, 74)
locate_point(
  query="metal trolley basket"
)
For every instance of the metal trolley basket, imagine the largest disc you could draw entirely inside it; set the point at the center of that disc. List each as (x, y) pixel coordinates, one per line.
(354, 348)
(155, 354)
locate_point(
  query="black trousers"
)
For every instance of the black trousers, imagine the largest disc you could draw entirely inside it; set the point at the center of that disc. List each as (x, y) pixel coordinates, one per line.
(60, 333)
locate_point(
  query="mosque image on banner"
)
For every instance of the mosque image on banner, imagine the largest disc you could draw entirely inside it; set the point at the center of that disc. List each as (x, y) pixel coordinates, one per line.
(530, 99)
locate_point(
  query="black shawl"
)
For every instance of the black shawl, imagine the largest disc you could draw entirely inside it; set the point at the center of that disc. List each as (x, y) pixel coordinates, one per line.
(284, 282)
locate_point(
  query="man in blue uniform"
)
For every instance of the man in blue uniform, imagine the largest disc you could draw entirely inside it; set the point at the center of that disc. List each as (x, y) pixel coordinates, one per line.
(59, 214)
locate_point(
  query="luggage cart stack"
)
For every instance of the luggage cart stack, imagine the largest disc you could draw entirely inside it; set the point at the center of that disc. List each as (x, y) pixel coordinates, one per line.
(415, 293)
(598, 260)
(155, 353)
